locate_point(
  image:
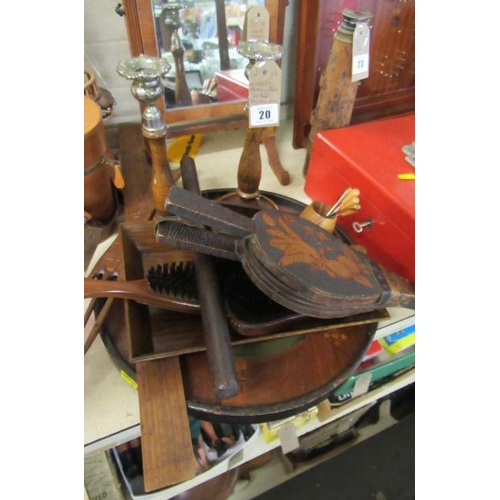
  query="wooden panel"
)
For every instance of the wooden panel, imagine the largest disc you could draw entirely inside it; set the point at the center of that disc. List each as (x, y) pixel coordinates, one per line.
(167, 453)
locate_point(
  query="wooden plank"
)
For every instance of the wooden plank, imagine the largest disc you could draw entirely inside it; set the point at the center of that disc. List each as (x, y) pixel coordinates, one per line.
(167, 452)
(138, 204)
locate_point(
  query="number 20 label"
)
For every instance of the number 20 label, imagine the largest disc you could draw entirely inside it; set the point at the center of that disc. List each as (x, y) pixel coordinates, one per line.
(264, 114)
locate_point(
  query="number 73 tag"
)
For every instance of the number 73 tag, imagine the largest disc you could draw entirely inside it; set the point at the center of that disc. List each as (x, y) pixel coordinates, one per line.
(360, 51)
(264, 94)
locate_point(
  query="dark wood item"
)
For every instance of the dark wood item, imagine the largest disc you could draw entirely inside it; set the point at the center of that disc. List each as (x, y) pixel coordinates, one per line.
(250, 165)
(278, 378)
(167, 453)
(213, 317)
(154, 332)
(269, 141)
(220, 9)
(390, 88)
(137, 199)
(291, 260)
(182, 93)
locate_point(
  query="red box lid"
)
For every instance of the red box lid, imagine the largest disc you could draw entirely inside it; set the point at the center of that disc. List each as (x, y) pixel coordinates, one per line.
(369, 156)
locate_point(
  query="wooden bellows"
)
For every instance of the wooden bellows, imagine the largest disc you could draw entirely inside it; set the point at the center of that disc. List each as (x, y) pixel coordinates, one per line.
(294, 262)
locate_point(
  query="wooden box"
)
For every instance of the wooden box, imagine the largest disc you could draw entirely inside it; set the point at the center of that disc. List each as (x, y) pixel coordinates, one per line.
(369, 157)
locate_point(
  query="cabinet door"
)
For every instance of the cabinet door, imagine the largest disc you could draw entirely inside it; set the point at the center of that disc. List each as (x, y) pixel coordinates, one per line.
(390, 88)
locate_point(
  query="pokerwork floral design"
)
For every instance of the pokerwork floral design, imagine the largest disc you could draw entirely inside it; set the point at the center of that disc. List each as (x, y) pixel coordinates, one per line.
(295, 250)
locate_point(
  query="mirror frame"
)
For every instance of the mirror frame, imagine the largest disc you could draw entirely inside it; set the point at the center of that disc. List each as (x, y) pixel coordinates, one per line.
(201, 118)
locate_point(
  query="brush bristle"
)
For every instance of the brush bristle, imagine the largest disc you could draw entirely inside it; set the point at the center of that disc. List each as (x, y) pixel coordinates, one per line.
(176, 279)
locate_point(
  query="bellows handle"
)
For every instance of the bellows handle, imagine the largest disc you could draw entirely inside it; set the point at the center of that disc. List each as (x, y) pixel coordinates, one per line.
(195, 208)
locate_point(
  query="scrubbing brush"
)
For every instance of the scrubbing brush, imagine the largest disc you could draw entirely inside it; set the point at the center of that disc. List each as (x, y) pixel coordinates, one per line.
(170, 286)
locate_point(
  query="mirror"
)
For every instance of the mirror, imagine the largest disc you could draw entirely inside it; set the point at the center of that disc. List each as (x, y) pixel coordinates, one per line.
(202, 62)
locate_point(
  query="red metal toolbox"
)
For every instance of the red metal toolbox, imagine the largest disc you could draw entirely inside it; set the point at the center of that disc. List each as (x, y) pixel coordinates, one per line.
(369, 157)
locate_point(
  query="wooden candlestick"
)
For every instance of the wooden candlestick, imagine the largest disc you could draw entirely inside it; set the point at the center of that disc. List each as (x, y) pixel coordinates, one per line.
(172, 21)
(145, 73)
(250, 164)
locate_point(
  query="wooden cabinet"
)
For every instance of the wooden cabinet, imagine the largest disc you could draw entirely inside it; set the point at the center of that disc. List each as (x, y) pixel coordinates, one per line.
(390, 88)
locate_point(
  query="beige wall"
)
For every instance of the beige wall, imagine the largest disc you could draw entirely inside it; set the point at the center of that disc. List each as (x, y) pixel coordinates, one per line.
(105, 43)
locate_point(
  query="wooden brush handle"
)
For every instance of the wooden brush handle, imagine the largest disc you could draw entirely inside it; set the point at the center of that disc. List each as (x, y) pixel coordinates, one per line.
(139, 291)
(215, 328)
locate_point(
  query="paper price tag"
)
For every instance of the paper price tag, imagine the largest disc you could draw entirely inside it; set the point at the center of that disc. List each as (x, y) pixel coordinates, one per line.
(360, 52)
(288, 438)
(264, 115)
(256, 25)
(264, 94)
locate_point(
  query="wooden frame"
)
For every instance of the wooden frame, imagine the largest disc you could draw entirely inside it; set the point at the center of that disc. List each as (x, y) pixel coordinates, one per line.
(200, 118)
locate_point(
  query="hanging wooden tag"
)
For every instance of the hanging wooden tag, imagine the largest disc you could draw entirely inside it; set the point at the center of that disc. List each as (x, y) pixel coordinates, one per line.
(360, 51)
(264, 95)
(256, 25)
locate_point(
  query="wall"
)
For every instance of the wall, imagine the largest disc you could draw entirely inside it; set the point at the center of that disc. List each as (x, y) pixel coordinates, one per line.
(106, 43)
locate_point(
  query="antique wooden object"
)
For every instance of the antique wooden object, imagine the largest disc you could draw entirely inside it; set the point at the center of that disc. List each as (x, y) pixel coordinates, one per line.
(182, 93)
(129, 326)
(145, 74)
(233, 84)
(279, 376)
(152, 332)
(390, 88)
(167, 454)
(215, 325)
(294, 262)
(100, 202)
(170, 285)
(337, 92)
